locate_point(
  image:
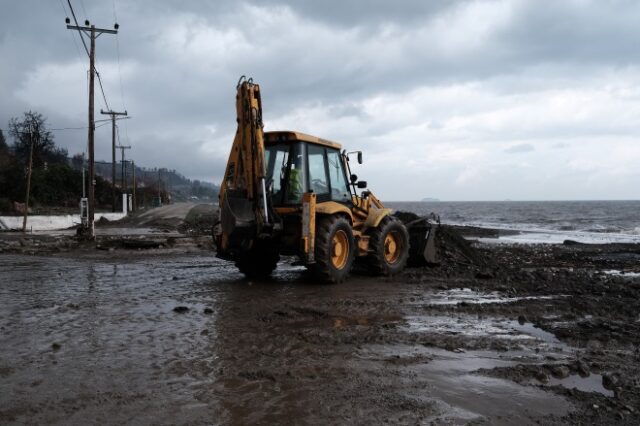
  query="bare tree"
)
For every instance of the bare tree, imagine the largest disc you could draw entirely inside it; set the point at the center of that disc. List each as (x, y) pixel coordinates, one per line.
(33, 129)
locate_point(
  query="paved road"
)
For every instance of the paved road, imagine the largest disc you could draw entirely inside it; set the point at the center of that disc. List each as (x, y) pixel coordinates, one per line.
(170, 211)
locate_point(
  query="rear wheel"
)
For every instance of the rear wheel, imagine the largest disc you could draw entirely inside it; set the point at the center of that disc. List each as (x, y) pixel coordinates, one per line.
(260, 261)
(334, 249)
(389, 244)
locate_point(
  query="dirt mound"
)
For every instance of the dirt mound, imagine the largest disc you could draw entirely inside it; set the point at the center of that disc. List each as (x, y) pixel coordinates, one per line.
(451, 246)
(199, 221)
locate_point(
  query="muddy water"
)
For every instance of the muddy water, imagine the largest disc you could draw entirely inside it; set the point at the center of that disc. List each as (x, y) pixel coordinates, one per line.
(97, 340)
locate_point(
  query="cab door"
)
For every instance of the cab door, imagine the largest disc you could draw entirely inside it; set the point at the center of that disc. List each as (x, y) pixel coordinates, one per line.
(327, 177)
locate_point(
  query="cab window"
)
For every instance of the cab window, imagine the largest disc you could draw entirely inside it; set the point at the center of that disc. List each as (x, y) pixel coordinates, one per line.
(337, 177)
(277, 157)
(296, 184)
(318, 180)
(285, 167)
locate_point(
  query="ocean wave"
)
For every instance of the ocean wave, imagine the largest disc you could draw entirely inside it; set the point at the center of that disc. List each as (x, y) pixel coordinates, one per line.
(604, 229)
(539, 233)
(598, 221)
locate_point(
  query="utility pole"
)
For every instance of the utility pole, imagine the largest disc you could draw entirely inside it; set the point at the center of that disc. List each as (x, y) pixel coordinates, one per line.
(26, 198)
(124, 170)
(135, 185)
(92, 32)
(113, 115)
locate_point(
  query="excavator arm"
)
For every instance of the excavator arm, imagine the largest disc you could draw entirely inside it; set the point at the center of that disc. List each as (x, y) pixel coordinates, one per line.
(245, 204)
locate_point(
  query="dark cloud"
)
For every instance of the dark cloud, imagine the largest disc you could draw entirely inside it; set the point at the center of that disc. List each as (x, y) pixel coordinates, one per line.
(454, 75)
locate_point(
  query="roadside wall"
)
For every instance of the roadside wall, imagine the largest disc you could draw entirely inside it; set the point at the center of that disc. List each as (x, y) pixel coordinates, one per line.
(50, 223)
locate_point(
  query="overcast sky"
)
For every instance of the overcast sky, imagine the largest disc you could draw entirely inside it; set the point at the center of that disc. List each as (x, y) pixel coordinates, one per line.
(468, 100)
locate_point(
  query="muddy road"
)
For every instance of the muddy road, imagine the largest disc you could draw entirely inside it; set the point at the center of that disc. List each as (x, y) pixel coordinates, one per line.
(175, 336)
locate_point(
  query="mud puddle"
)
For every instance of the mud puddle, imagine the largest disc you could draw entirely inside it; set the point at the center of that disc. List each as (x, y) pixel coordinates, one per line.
(461, 394)
(528, 344)
(626, 274)
(492, 328)
(591, 383)
(469, 296)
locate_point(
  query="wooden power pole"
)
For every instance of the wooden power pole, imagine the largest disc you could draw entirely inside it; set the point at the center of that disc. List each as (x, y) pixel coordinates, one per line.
(135, 185)
(92, 32)
(113, 115)
(26, 198)
(124, 170)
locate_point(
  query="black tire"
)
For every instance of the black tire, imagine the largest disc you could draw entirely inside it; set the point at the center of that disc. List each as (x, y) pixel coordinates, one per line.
(325, 269)
(260, 261)
(377, 260)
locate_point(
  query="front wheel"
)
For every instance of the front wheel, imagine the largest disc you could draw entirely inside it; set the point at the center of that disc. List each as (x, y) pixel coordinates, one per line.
(334, 249)
(260, 261)
(389, 245)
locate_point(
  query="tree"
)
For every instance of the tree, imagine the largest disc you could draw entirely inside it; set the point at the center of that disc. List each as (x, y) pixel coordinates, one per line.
(4, 152)
(33, 127)
(77, 161)
(3, 143)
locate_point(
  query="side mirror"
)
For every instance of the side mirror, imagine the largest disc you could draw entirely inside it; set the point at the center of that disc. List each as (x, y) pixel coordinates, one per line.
(359, 157)
(362, 184)
(354, 178)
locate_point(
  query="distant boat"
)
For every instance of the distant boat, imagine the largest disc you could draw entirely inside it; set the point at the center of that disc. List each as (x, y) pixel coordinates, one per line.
(429, 199)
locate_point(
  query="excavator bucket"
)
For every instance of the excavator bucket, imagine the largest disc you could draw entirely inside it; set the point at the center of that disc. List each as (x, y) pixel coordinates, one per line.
(423, 241)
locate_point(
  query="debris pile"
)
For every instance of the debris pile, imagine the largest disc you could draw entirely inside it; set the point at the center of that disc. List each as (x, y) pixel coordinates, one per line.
(451, 246)
(199, 221)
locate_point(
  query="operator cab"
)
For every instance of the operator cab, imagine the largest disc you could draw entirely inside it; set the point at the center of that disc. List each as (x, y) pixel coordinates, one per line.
(297, 163)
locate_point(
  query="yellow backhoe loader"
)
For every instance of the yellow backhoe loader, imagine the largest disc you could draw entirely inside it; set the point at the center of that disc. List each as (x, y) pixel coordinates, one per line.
(289, 193)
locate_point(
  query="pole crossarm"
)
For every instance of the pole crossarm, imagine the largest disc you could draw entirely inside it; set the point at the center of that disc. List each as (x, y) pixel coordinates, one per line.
(87, 30)
(110, 112)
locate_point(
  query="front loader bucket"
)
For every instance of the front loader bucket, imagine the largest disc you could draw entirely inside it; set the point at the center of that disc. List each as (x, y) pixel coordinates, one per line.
(422, 237)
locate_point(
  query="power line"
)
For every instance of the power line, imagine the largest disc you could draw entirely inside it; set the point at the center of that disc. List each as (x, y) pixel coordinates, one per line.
(104, 97)
(83, 9)
(115, 18)
(119, 69)
(70, 128)
(71, 34)
(67, 128)
(84, 43)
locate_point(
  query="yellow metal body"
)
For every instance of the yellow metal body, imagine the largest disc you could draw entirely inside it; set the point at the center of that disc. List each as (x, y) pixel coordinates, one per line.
(243, 199)
(331, 207)
(246, 205)
(366, 213)
(246, 160)
(308, 225)
(288, 135)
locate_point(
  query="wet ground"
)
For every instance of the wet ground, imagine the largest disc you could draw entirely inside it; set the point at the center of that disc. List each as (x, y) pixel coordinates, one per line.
(171, 335)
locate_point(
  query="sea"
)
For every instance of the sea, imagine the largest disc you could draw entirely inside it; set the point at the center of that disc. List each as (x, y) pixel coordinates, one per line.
(540, 221)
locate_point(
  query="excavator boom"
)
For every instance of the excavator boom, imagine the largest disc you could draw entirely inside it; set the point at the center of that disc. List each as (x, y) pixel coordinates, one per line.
(244, 201)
